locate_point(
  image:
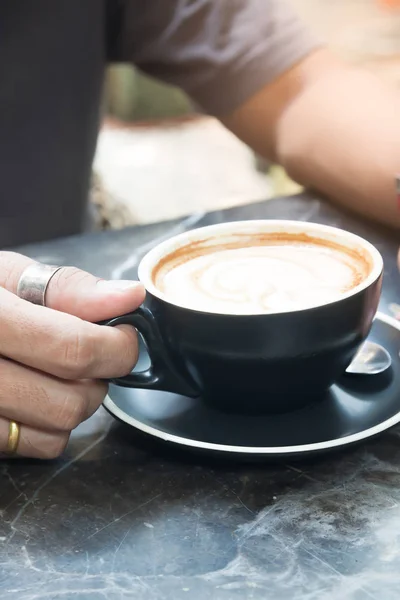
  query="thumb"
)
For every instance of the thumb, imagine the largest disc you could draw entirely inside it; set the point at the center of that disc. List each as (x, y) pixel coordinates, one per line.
(77, 292)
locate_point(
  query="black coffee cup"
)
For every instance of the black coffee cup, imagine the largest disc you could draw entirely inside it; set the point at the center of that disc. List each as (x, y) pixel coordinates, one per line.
(270, 362)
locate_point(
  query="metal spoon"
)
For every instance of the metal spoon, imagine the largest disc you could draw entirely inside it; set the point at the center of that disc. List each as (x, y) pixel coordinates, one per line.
(371, 359)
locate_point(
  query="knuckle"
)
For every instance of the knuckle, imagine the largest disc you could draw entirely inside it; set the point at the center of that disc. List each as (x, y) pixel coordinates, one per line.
(67, 275)
(100, 390)
(72, 410)
(135, 350)
(54, 447)
(79, 355)
(12, 265)
(129, 352)
(45, 447)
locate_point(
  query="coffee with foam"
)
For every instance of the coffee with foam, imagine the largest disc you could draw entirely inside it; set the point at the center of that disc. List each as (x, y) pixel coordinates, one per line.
(259, 274)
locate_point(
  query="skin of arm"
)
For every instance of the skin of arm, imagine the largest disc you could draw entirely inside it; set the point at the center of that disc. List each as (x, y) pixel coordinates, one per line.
(334, 127)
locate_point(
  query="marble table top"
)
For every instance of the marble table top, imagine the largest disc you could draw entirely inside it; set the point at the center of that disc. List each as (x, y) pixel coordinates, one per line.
(115, 518)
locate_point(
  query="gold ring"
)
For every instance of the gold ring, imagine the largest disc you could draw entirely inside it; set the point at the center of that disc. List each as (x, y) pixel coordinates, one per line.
(13, 437)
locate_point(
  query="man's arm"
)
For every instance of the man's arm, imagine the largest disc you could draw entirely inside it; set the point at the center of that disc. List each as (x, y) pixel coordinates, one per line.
(334, 128)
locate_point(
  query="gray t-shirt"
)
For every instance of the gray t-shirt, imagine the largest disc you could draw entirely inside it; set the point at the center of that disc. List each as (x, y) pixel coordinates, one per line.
(52, 59)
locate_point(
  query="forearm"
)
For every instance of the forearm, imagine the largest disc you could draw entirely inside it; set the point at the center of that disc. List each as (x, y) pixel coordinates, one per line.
(341, 136)
(334, 128)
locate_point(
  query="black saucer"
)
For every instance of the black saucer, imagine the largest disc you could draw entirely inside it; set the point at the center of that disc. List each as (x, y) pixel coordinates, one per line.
(356, 409)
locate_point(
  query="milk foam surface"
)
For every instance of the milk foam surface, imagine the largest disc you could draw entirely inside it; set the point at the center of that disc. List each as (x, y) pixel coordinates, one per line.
(261, 279)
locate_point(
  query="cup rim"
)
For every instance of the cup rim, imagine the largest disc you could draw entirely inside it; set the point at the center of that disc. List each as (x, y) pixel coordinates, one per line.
(151, 258)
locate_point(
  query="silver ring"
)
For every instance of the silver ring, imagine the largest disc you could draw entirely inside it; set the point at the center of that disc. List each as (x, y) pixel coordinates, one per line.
(32, 284)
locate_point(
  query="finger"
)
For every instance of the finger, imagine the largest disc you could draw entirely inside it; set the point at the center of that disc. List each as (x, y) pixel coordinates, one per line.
(76, 292)
(34, 443)
(44, 402)
(63, 345)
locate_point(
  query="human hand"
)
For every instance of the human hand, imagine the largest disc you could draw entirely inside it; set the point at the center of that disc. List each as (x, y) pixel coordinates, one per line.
(53, 358)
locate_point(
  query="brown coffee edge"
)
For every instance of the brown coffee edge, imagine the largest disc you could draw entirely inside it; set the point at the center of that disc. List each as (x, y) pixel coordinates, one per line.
(202, 247)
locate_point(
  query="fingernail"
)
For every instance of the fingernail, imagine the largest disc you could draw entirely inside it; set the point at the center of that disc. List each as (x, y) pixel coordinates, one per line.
(118, 285)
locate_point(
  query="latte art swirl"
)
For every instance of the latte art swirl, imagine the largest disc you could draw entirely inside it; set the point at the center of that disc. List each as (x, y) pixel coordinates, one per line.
(260, 279)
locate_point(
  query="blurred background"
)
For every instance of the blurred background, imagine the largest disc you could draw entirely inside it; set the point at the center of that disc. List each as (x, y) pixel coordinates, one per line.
(157, 159)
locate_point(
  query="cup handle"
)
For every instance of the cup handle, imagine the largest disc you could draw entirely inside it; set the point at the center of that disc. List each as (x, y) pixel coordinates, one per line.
(162, 374)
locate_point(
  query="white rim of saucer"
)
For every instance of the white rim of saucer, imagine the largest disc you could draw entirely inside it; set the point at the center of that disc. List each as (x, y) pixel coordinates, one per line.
(259, 450)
